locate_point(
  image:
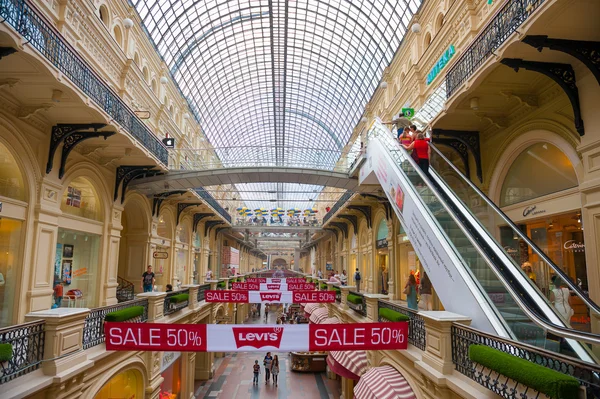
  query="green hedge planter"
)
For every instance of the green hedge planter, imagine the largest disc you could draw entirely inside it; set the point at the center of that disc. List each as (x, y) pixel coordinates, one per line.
(180, 298)
(392, 315)
(124, 314)
(323, 286)
(336, 289)
(552, 383)
(6, 352)
(221, 284)
(355, 299)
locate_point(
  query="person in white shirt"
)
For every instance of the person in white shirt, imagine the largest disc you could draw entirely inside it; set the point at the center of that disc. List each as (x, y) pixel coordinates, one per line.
(208, 275)
(320, 274)
(344, 278)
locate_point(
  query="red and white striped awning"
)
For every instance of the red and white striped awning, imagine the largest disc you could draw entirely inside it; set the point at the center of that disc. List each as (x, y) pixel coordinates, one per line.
(303, 304)
(318, 315)
(330, 320)
(383, 383)
(311, 307)
(351, 364)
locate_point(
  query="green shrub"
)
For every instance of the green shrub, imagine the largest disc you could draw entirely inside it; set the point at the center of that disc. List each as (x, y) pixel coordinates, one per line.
(355, 299)
(552, 383)
(392, 315)
(125, 314)
(323, 286)
(221, 284)
(6, 352)
(179, 298)
(337, 289)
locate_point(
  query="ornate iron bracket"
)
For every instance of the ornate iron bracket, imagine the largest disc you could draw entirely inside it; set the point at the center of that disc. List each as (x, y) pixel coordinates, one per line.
(585, 51)
(342, 226)
(384, 201)
(71, 135)
(6, 51)
(210, 224)
(353, 219)
(219, 229)
(562, 74)
(365, 210)
(468, 139)
(182, 206)
(125, 174)
(198, 217)
(158, 200)
(332, 230)
(460, 148)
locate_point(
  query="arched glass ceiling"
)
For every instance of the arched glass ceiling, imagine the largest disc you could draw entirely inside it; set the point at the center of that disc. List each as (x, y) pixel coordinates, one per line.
(277, 73)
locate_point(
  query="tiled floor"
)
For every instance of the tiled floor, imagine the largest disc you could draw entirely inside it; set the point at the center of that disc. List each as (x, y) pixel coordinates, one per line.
(233, 379)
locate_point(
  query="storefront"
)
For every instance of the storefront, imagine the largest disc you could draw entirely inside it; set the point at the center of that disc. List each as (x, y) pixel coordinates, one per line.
(383, 256)
(125, 385)
(540, 196)
(13, 211)
(162, 252)
(170, 370)
(78, 248)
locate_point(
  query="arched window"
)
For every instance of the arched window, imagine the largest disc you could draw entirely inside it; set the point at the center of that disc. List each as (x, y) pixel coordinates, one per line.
(153, 85)
(136, 59)
(427, 41)
(104, 15)
(145, 73)
(439, 22)
(118, 35)
(382, 231)
(81, 199)
(12, 183)
(539, 170)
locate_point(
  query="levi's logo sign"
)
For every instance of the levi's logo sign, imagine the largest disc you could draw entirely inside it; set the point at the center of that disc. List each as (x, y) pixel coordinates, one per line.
(270, 296)
(257, 337)
(273, 286)
(276, 280)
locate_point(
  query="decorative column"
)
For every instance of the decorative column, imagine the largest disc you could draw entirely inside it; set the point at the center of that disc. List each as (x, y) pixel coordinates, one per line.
(156, 304)
(63, 343)
(345, 290)
(109, 273)
(391, 262)
(188, 362)
(193, 292)
(438, 334)
(373, 306)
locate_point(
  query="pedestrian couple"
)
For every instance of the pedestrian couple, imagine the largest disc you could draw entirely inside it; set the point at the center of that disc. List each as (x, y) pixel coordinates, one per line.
(271, 368)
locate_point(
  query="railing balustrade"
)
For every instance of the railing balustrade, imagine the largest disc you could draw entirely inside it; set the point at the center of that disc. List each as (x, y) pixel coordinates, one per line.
(360, 308)
(210, 200)
(202, 292)
(338, 204)
(172, 306)
(502, 26)
(93, 329)
(125, 290)
(416, 324)
(50, 43)
(27, 342)
(463, 337)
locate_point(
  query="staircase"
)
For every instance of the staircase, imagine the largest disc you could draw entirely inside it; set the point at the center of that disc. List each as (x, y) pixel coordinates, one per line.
(125, 290)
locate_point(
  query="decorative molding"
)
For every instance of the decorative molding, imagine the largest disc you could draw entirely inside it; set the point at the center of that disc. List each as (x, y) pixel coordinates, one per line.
(335, 231)
(158, 200)
(365, 210)
(562, 74)
(352, 219)
(9, 83)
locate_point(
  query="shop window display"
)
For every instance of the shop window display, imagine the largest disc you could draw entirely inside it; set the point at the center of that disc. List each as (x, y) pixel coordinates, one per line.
(75, 269)
(80, 199)
(125, 385)
(10, 261)
(11, 179)
(171, 372)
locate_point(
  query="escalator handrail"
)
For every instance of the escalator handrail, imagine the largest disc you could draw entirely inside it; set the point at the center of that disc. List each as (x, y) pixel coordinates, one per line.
(564, 332)
(522, 235)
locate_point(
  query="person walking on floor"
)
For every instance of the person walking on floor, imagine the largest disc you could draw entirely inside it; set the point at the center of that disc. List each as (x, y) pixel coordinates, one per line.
(425, 291)
(275, 369)
(256, 369)
(148, 280)
(267, 363)
(357, 279)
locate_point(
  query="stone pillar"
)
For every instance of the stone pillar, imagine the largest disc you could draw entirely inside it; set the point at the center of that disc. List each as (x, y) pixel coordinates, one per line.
(203, 366)
(213, 284)
(63, 336)
(156, 304)
(319, 281)
(108, 293)
(345, 289)
(373, 306)
(438, 352)
(391, 262)
(188, 363)
(193, 290)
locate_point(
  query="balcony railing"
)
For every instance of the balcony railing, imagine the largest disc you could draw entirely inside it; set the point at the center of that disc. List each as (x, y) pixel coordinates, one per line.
(210, 200)
(502, 26)
(172, 306)
(93, 329)
(27, 342)
(360, 308)
(416, 324)
(463, 337)
(338, 204)
(125, 290)
(45, 39)
(202, 292)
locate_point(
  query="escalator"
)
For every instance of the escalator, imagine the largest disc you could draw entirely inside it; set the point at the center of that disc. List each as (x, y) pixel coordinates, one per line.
(472, 273)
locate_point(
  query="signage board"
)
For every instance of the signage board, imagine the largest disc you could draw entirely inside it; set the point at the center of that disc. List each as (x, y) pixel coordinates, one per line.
(381, 243)
(254, 338)
(442, 62)
(230, 296)
(160, 255)
(142, 114)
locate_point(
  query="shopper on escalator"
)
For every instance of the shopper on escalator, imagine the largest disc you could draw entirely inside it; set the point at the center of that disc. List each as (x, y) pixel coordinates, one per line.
(421, 148)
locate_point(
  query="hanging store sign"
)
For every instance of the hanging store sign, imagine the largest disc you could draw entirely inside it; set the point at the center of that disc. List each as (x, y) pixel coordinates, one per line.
(256, 280)
(229, 296)
(275, 287)
(160, 255)
(381, 243)
(442, 62)
(248, 338)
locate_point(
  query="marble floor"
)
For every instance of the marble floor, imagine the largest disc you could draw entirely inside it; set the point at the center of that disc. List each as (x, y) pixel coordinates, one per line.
(233, 378)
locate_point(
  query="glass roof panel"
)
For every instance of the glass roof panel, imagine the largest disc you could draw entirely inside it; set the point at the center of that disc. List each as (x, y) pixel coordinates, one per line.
(283, 74)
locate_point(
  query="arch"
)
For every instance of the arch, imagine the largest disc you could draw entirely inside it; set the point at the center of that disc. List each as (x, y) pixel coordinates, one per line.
(89, 172)
(118, 35)
(104, 15)
(135, 236)
(280, 262)
(166, 223)
(382, 229)
(153, 86)
(184, 230)
(517, 143)
(426, 41)
(145, 73)
(134, 363)
(136, 58)
(439, 22)
(12, 176)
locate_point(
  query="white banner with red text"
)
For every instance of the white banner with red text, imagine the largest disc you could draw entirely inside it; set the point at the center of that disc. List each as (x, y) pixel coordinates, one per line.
(231, 296)
(252, 338)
